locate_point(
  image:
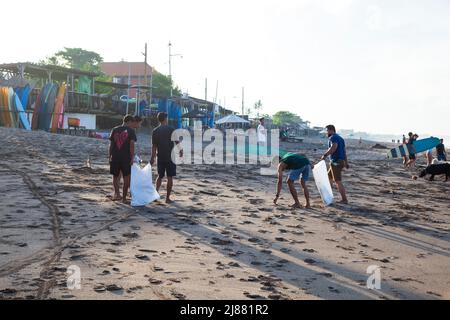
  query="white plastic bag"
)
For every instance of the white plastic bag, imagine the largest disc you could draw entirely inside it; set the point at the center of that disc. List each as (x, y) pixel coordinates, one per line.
(142, 189)
(323, 183)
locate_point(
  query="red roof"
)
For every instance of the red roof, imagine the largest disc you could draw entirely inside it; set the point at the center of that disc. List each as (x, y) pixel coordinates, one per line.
(121, 69)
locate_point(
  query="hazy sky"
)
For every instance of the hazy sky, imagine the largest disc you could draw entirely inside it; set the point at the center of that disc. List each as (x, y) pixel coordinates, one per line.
(377, 66)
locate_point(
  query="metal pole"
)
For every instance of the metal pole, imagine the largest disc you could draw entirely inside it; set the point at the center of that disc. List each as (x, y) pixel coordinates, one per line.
(242, 100)
(128, 90)
(145, 71)
(217, 90)
(206, 89)
(170, 67)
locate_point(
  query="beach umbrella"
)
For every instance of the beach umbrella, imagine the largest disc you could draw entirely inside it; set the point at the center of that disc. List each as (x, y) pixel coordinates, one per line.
(231, 119)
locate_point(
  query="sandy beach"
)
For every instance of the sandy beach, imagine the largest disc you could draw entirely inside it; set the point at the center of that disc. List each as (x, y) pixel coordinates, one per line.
(223, 238)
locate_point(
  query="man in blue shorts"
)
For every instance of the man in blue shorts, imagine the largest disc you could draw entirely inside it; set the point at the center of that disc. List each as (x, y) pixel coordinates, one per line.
(299, 169)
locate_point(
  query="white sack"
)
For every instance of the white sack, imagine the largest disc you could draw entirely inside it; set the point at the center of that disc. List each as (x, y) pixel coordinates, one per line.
(323, 183)
(142, 189)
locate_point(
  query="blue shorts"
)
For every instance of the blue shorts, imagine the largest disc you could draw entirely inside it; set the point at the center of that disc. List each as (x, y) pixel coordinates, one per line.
(441, 157)
(295, 174)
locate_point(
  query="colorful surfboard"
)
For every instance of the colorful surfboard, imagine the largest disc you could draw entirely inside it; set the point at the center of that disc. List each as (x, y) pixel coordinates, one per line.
(12, 110)
(57, 111)
(417, 147)
(21, 112)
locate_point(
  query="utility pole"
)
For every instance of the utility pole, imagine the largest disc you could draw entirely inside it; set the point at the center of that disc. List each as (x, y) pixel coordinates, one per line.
(145, 65)
(217, 91)
(242, 96)
(206, 89)
(170, 67)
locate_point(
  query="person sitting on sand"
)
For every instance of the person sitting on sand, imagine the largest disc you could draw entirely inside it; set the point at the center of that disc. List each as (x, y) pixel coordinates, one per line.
(299, 167)
(121, 155)
(338, 154)
(162, 146)
(440, 150)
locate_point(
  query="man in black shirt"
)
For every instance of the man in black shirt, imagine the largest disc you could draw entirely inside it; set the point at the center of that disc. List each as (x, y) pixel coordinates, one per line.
(121, 156)
(162, 146)
(440, 150)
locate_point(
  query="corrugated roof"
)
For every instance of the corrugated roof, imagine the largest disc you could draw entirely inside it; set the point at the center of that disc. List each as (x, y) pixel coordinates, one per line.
(121, 69)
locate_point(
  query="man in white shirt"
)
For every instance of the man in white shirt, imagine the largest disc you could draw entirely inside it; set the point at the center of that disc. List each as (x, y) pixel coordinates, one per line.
(262, 132)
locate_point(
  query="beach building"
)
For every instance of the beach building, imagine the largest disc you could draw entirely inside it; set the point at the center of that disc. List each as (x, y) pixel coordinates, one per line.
(83, 102)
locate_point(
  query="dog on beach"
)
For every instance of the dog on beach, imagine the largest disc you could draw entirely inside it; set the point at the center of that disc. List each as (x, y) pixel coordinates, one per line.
(436, 169)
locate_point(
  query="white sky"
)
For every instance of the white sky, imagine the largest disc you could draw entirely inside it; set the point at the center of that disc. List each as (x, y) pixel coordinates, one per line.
(377, 66)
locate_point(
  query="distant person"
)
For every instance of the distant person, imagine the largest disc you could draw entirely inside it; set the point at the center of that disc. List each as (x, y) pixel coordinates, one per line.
(338, 154)
(440, 150)
(429, 156)
(412, 155)
(300, 168)
(121, 155)
(262, 138)
(162, 146)
(262, 132)
(405, 141)
(137, 122)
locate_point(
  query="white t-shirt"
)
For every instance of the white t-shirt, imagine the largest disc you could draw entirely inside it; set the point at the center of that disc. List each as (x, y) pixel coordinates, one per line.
(262, 134)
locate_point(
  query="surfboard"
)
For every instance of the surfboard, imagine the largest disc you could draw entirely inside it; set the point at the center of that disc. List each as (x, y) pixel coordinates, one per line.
(320, 174)
(46, 110)
(6, 108)
(417, 147)
(34, 120)
(24, 94)
(21, 111)
(12, 109)
(50, 105)
(40, 101)
(2, 107)
(57, 109)
(426, 144)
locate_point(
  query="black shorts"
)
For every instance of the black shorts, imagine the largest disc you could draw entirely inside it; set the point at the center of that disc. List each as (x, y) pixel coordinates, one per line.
(116, 167)
(412, 157)
(168, 168)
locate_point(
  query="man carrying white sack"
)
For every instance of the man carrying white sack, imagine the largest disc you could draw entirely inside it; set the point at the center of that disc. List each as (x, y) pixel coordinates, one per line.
(162, 146)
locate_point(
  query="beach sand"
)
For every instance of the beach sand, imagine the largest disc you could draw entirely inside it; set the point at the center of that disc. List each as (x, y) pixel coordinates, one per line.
(223, 238)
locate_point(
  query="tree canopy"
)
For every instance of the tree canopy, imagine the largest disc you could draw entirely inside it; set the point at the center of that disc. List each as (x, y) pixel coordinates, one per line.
(286, 118)
(76, 58)
(161, 86)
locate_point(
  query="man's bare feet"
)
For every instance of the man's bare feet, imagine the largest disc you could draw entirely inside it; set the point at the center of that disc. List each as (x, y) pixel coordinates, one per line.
(343, 202)
(126, 201)
(308, 206)
(116, 197)
(169, 201)
(296, 206)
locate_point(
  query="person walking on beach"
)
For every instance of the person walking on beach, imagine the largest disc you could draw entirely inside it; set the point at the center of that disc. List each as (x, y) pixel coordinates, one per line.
(440, 150)
(162, 146)
(300, 168)
(121, 155)
(412, 154)
(338, 154)
(405, 158)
